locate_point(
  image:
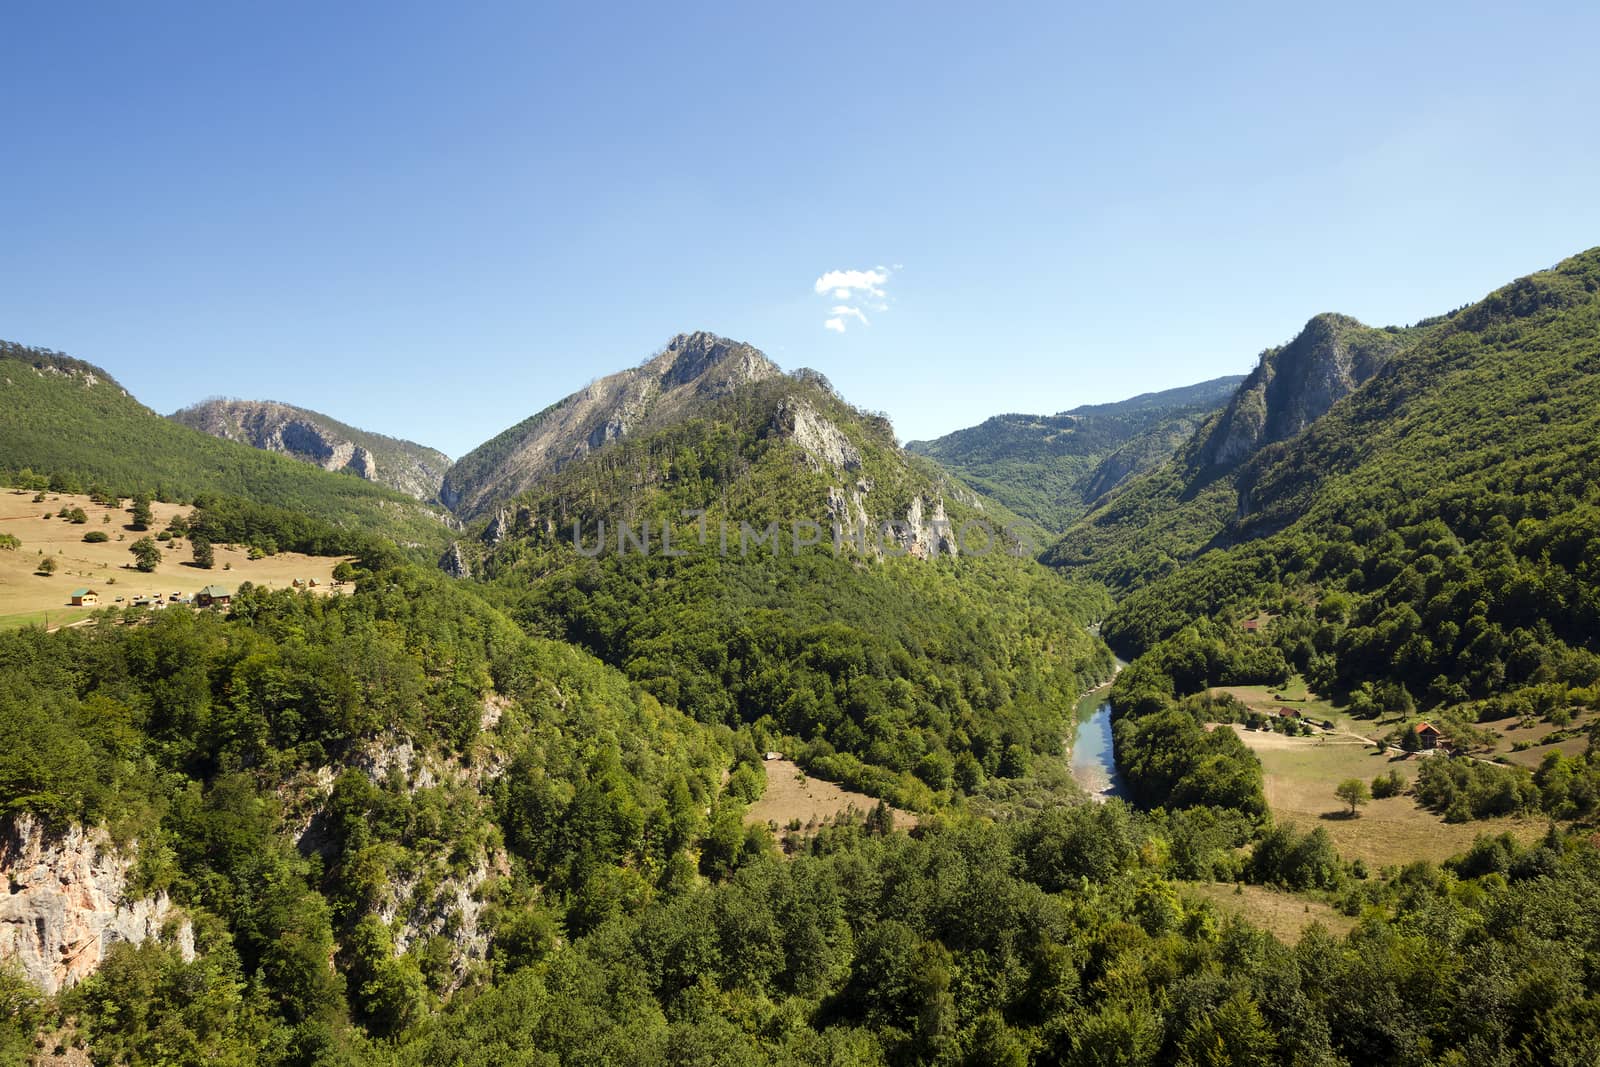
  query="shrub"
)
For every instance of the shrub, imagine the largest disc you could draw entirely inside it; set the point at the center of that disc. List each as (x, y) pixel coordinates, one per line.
(1388, 785)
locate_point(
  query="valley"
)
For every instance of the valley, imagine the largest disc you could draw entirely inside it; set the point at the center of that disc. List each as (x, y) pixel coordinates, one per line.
(795, 535)
(926, 801)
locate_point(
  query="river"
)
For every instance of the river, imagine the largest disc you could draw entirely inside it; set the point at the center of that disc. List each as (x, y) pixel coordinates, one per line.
(1094, 764)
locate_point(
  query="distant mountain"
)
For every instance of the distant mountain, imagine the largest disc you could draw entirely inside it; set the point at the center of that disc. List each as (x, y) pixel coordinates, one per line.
(1178, 508)
(911, 651)
(692, 368)
(70, 420)
(314, 438)
(1430, 538)
(1052, 468)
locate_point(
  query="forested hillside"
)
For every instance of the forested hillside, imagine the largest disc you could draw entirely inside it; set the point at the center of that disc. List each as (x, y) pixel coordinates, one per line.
(1430, 542)
(402, 832)
(506, 820)
(74, 424)
(1182, 508)
(1052, 468)
(915, 662)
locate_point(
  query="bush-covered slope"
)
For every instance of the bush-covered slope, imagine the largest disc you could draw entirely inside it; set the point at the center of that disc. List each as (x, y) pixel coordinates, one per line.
(71, 422)
(1171, 514)
(906, 669)
(1439, 529)
(1051, 468)
(404, 833)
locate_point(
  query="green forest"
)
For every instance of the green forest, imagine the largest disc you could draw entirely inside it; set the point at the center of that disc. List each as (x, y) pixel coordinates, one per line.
(1052, 468)
(632, 918)
(505, 818)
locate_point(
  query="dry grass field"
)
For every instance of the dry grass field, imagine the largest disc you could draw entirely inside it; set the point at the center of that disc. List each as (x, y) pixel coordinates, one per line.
(27, 598)
(1511, 732)
(792, 794)
(1284, 915)
(1301, 773)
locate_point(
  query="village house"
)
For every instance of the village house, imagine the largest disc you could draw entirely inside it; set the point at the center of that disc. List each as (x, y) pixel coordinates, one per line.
(1428, 736)
(85, 598)
(213, 596)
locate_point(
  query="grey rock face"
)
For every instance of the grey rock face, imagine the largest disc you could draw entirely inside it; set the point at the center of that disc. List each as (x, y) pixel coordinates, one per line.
(67, 905)
(454, 562)
(691, 368)
(323, 442)
(1295, 385)
(823, 442)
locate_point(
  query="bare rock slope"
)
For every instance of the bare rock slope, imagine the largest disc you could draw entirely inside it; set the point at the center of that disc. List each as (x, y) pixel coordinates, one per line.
(1296, 384)
(691, 368)
(68, 905)
(322, 441)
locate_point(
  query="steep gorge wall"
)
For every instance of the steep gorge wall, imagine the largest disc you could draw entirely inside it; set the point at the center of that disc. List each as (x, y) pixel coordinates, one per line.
(66, 903)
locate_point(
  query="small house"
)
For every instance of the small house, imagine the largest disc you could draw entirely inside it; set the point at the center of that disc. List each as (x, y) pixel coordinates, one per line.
(1287, 713)
(213, 596)
(1427, 736)
(85, 598)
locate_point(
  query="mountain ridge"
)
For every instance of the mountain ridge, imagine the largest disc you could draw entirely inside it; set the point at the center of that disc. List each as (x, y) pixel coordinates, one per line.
(322, 441)
(690, 367)
(1052, 468)
(71, 421)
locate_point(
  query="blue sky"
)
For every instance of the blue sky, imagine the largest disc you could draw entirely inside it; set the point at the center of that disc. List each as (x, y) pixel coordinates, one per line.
(432, 224)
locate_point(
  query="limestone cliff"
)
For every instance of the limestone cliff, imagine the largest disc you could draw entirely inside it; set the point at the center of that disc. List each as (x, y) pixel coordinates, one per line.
(692, 367)
(322, 441)
(1296, 384)
(67, 903)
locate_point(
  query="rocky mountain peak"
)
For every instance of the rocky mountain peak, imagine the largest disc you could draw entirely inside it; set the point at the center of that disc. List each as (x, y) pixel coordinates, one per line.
(690, 369)
(690, 357)
(1294, 385)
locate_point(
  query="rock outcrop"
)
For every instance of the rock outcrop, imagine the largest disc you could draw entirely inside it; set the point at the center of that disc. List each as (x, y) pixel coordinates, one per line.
(824, 443)
(1295, 385)
(67, 904)
(323, 442)
(454, 562)
(693, 368)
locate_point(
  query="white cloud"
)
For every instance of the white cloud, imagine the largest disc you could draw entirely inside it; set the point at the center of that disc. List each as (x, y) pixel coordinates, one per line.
(842, 282)
(845, 310)
(859, 287)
